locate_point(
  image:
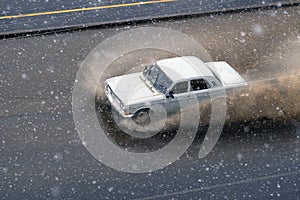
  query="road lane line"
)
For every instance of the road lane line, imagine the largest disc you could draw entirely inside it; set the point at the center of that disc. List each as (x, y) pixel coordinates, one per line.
(246, 181)
(85, 9)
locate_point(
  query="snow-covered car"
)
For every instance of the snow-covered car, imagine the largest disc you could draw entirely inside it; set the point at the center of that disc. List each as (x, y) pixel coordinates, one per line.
(166, 82)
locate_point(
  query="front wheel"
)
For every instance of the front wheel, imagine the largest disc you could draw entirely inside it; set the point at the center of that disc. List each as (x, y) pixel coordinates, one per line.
(142, 117)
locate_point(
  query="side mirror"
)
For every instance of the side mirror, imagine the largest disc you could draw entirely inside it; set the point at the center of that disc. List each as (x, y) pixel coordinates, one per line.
(170, 95)
(146, 70)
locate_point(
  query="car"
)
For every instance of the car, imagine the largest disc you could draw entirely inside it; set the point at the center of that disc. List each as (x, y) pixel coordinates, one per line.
(167, 81)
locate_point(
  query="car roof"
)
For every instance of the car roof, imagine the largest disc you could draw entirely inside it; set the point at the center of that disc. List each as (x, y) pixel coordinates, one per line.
(187, 67)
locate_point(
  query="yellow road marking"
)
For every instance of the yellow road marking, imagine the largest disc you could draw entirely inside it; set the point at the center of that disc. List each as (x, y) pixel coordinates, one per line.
(84, 9)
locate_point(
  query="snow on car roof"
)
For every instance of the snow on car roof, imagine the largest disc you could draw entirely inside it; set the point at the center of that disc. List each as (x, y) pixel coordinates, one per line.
(186, 67)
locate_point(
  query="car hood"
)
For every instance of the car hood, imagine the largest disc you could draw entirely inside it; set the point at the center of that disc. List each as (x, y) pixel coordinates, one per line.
(132, 89)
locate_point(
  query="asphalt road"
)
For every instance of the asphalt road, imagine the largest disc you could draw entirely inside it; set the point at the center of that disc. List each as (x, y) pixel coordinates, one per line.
(31, 16)
(42, 156)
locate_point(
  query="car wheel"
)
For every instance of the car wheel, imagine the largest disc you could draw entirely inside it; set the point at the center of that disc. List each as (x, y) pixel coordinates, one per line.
(142, 117)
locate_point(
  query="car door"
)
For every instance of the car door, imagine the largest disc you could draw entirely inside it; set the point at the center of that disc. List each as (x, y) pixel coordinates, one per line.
(180, 93)
(200, 88)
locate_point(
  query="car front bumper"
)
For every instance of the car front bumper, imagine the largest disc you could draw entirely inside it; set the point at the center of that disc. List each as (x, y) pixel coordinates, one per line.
(115, 103)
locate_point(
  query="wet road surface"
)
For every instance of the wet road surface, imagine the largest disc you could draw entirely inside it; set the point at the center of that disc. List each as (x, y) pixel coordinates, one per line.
(42, 156)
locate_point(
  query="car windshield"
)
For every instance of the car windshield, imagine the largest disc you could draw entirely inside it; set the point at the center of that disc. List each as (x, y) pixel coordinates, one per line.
(157, 78)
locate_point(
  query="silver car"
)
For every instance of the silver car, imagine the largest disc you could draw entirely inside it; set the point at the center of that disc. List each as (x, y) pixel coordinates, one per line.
(166, 82)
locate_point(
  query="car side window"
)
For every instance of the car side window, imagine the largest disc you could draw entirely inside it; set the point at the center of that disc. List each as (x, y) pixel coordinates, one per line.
(199, 84)
(180, 88)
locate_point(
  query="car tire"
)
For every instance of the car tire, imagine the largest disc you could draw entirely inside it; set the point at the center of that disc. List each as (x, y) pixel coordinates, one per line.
(142, 117)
